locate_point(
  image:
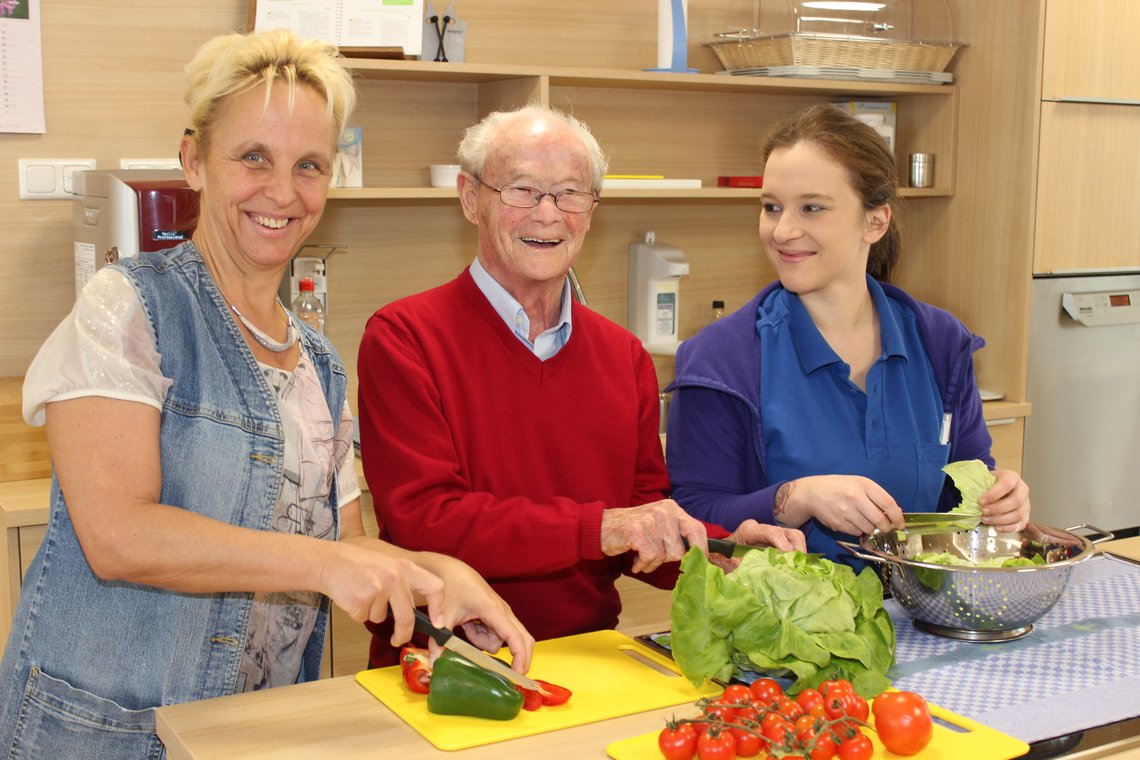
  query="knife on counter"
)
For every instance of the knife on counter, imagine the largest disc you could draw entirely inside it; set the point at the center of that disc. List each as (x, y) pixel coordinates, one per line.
(448, 640)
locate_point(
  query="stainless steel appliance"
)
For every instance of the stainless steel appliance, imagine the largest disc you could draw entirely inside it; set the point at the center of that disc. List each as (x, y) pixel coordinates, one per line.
(1082, 438)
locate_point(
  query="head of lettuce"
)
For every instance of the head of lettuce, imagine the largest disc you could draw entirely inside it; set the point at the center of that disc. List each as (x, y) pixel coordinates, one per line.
(782, 613)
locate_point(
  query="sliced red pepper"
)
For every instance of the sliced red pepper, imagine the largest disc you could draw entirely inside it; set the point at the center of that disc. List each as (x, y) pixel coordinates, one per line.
(553, 694)
(547, 694)
(416, 667)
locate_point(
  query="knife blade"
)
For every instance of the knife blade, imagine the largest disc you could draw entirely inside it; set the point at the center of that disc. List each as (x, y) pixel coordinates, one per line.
(448, 640)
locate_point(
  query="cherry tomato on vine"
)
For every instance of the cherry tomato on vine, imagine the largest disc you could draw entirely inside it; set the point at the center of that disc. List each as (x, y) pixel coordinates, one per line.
(838, 705)
(858, 709)
(764, 690)
(903, 722)
(777, 729)
(856, 748)
(811, 700)
(678, 741)
(722, 712)
(716, 745)
(736, 693)
(840, 685)
(748, 744)
(825, 747)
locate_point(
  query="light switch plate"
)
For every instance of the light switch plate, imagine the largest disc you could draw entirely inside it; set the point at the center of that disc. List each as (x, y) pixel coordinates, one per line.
(50, 178)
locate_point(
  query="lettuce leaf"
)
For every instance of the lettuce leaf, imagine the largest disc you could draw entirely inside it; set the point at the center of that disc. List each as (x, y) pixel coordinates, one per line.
(972, 478)
(782, 613)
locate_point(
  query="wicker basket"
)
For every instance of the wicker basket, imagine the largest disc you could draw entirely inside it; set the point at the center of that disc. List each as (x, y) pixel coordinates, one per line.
(739, 52)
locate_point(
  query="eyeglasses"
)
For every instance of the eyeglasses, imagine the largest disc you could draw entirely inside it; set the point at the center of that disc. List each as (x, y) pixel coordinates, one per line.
(573, 201)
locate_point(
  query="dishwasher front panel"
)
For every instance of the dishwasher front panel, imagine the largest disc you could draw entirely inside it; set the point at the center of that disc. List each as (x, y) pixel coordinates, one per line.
(1082, 438)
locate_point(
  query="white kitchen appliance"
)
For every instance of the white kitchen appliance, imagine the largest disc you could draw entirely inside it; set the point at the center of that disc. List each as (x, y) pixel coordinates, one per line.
(120, 213)
(1082, 438)
(655, 272)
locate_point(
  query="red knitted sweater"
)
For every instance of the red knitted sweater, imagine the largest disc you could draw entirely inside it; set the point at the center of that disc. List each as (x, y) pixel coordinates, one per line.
(475, 448)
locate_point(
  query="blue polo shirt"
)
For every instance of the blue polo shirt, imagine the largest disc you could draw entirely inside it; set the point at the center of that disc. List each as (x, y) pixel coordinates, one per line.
(818, 422)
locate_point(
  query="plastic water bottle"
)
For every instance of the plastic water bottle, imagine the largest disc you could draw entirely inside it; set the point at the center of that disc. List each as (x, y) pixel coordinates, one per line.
(308, 307)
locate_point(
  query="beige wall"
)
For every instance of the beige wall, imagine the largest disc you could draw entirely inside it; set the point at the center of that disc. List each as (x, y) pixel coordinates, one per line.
(113, 84)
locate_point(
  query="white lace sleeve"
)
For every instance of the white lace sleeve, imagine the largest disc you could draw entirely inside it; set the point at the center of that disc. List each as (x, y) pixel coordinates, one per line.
(104, 347)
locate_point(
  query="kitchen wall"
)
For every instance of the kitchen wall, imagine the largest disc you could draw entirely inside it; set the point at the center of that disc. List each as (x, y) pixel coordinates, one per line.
(113, 84)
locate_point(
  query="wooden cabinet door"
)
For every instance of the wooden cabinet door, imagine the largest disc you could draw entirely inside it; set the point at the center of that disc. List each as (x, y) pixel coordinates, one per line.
(1091, 50)
(1008, 435)
(1088, 211)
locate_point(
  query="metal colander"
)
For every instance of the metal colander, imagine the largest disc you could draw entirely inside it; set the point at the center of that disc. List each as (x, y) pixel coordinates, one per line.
(978, 603)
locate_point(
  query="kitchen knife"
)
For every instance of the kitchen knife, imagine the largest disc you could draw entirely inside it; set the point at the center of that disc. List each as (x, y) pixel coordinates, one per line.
(448, 640)
(725, 547)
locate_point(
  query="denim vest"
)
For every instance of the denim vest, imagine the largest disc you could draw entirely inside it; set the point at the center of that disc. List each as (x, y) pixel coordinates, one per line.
(88, 660)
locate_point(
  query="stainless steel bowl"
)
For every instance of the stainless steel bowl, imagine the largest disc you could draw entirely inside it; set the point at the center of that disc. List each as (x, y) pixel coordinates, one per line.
(978, 603)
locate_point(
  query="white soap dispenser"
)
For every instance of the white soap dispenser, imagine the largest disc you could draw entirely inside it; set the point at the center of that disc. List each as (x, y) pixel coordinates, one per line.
(655, 272)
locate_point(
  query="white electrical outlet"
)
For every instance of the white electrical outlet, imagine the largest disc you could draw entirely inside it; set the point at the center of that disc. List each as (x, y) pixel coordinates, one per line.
(50, 178)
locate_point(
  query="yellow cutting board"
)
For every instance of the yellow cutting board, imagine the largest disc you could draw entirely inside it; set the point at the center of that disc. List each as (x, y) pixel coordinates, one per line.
(598, 668)
(954, 738)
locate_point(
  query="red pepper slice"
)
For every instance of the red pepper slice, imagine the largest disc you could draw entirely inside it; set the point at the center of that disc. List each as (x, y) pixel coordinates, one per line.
(547, 694)
(416, 667)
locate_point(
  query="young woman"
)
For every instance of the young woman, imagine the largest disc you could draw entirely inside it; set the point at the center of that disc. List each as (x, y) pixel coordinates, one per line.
(832, 399)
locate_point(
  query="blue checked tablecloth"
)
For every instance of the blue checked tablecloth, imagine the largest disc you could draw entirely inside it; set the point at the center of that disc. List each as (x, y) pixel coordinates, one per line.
(1076, 670)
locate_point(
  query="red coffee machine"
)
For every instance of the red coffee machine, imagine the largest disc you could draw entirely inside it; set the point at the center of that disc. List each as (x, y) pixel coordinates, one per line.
(122, 213)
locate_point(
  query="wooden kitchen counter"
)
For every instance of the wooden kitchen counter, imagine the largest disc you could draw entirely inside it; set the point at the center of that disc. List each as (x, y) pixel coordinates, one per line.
(338, 718)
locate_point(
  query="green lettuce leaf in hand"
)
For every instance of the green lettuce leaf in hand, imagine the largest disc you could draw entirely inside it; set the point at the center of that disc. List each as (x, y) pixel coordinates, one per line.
(972, 478)
(782, 613)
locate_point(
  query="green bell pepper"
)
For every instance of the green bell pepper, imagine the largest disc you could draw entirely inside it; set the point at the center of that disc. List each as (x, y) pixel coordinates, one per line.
(460, 687)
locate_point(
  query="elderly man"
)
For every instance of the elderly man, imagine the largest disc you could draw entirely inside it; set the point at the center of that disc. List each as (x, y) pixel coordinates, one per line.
(506, 425)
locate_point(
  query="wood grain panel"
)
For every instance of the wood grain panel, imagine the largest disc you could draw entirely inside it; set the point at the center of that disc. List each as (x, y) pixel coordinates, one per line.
(1088, 212)
(1091, 50)
(1008, 441)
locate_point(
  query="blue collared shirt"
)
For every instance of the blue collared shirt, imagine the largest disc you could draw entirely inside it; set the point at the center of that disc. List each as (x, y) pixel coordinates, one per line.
(550, 341)
(818, 422)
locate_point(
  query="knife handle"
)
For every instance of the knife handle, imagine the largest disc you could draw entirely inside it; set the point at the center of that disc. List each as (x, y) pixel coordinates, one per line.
(423, 625)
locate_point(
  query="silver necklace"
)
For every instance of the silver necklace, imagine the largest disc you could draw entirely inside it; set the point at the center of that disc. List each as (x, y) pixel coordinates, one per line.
(273, 345)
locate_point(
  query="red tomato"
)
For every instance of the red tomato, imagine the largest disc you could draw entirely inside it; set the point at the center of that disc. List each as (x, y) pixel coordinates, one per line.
(722, 712)
(902, 719)
(764, 690)
(776, 730)
(736, 693)
(811, 700)
(746, 715)
(841, 685)
(789, 707)
(678, 741)
(858, 708)
(856, 748)
(748, 744)
(838, 705)
(416, 668)
(824, 748)
(716, 745)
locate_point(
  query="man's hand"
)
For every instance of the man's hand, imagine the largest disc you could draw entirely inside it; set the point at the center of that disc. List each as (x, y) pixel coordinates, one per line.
(753, 533)
(655, 531)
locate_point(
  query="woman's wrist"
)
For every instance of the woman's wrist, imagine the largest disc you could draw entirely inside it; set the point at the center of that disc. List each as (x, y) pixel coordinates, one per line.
(781, 511)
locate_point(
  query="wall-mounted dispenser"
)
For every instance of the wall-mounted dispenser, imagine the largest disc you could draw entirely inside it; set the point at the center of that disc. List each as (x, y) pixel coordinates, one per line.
(655, 272)
(310, 261)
